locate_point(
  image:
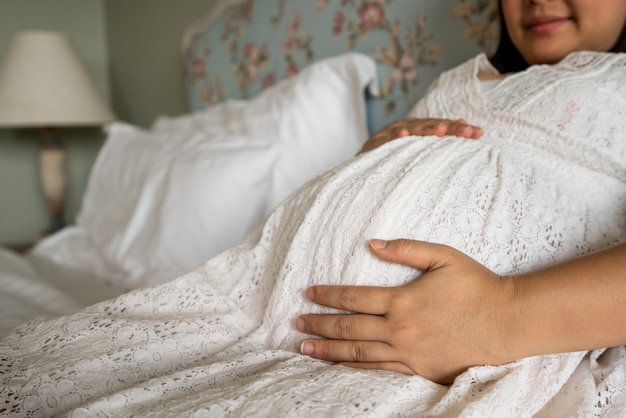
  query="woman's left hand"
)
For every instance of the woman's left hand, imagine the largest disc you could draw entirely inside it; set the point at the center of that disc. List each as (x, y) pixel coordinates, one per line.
(421, 127)
(456, 315)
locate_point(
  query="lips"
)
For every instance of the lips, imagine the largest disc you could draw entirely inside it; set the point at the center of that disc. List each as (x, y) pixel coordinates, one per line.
(545, 25)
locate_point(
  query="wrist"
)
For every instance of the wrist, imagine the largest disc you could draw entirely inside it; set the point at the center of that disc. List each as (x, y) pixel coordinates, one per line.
(512, 327)
(535, 321)
(553, 311)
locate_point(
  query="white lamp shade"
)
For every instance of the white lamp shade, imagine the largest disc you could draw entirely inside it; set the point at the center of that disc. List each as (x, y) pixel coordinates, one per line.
(43, 83)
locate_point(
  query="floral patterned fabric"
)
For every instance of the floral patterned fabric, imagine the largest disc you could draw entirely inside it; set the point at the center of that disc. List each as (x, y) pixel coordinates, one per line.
(257, 43)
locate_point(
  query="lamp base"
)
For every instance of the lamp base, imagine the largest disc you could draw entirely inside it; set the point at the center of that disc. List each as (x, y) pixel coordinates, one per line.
(51, 161)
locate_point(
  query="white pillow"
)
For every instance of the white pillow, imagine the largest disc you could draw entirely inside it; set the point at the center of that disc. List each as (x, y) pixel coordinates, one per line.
(318, 118)
(158, 205)
(161, 202)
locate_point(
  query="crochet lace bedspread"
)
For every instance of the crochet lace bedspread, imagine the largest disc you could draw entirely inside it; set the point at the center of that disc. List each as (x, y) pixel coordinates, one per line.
(547, 182)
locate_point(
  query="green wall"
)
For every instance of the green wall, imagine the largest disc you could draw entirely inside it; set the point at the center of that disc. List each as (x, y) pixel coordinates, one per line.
(144, 39)
(132, 48)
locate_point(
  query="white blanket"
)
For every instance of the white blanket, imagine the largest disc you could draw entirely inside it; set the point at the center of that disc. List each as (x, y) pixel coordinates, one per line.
(62, 274)
(220, 341)
(25, 295)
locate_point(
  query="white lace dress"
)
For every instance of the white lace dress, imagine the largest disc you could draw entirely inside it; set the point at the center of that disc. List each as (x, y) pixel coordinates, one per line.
(546, 182)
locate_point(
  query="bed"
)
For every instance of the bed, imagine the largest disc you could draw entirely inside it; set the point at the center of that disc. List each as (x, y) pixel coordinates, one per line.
(153, 212)
(175, 292)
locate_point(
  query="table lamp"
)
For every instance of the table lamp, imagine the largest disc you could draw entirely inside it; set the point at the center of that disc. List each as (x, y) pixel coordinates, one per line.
(44, 84)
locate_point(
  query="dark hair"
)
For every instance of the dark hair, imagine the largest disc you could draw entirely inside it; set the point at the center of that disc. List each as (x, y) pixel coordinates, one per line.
(507, 58)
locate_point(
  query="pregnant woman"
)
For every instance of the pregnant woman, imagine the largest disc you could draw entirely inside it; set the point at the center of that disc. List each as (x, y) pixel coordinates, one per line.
(545, 183)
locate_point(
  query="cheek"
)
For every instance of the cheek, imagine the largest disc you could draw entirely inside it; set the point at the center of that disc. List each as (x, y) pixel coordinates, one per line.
(605, 30)
(512, 19)
(511, 12)
(602, 21)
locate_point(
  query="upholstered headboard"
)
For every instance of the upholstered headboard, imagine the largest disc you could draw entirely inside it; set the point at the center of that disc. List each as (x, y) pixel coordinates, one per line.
(244, 46)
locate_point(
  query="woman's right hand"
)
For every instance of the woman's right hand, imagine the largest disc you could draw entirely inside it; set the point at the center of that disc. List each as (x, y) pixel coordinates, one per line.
(422, 127)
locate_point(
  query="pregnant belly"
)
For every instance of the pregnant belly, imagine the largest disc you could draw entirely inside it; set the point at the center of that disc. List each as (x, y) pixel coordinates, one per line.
(510, 215)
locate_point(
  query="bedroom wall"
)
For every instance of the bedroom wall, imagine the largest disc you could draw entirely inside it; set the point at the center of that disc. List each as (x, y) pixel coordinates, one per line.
(144, 39)
(22, 207)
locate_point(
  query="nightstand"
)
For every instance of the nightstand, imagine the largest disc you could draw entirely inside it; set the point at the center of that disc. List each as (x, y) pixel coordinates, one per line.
(19, 248)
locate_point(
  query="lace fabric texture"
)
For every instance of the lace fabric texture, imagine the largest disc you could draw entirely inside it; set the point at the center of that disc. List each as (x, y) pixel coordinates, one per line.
(547, 182)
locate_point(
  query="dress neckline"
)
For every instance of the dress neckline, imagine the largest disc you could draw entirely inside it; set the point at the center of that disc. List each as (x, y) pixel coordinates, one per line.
(573, 59)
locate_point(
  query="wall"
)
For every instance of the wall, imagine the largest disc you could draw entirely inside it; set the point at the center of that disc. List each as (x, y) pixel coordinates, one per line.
(144, 38)
(132, 49)
(22, 207)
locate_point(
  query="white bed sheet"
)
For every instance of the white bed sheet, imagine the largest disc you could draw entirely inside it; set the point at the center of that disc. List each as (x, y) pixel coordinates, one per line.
(61, 275)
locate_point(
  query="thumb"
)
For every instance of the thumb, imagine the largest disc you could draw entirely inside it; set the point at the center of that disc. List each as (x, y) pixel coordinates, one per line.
(419, 254)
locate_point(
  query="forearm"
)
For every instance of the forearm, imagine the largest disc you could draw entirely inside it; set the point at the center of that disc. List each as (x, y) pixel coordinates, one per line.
(575, 306)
